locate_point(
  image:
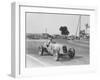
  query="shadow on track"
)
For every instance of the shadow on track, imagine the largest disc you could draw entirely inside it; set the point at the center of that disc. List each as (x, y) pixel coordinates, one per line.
(69, 59)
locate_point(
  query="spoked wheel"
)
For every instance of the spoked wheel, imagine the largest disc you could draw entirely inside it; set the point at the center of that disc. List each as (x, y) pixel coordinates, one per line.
(56, 56)
(41, 50)
(71, 52)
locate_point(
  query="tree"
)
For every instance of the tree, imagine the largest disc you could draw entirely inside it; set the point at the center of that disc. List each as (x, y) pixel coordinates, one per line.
(64, 30)
(82, 33)
(87, 26)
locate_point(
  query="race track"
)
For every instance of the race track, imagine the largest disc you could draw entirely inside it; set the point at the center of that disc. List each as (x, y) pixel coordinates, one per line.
(34, 60)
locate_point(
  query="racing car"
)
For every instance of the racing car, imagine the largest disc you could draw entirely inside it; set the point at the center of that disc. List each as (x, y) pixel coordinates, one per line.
(57, 50)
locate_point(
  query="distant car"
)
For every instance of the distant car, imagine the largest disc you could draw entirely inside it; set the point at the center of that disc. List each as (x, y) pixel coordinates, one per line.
(57, 50)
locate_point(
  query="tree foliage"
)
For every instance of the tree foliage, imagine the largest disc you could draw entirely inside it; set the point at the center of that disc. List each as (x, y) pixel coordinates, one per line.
(82, 32)
(87, 25)
(64, 30)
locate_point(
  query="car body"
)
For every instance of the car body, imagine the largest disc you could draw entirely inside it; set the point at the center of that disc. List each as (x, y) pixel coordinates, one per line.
(57, 50)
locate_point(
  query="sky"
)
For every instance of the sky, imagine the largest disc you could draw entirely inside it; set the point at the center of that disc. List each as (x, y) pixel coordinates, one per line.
(50, 23)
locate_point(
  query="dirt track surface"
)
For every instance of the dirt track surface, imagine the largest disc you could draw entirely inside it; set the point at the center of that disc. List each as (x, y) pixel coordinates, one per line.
(34, 60)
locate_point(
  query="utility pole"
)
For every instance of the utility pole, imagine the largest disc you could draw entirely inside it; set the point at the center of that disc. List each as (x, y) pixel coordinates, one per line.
(78, 26)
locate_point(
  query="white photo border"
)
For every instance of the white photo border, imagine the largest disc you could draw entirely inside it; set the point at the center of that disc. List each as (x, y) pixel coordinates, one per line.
(20, 19)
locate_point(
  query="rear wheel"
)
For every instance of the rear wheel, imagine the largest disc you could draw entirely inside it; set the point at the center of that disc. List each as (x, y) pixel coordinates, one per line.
(71, 52)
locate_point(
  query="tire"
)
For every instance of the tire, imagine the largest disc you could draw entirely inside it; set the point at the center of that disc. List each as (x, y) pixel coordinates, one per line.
(41, 50)
(71, 53)
(56, 56)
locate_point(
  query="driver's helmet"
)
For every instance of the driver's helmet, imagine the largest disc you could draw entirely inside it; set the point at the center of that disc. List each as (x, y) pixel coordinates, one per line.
(48, 42)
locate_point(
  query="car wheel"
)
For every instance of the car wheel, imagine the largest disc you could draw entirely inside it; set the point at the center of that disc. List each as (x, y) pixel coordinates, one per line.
(41, 50)
(71, 52)
(56, 56)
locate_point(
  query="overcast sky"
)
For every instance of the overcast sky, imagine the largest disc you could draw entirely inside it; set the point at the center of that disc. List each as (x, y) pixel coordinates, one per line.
(39, 22)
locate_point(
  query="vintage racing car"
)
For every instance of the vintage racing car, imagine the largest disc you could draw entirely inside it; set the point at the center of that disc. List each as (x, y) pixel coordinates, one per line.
(57, 50)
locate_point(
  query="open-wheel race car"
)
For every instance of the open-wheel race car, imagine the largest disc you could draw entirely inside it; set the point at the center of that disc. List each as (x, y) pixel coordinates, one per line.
(56, 50)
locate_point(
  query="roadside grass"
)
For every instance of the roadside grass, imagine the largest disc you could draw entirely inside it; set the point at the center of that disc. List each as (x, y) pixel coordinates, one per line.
(32, 46)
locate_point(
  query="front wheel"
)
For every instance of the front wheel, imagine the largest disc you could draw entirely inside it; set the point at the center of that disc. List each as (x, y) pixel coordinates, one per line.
(41, 50)
(56, 56)
(71, 52)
